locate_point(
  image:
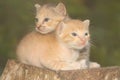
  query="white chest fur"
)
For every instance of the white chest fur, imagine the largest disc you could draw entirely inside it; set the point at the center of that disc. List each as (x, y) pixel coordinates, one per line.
(75, 55)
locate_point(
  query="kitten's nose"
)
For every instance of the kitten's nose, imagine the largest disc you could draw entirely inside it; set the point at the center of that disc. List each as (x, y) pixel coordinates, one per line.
(83, 41)
(38, 25)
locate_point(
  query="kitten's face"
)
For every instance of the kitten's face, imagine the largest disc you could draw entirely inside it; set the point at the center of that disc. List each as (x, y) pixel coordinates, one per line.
(47, 18)
(74, 33)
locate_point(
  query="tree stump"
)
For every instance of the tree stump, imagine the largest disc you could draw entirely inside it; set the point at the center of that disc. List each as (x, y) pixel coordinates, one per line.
(15, 70)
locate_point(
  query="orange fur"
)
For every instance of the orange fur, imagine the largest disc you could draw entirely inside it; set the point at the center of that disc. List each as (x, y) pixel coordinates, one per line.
(77, 27)
(48, 17)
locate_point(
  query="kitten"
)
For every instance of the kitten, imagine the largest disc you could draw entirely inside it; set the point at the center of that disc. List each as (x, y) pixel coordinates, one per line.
(48, 17)
(81, 39)
(58, 50)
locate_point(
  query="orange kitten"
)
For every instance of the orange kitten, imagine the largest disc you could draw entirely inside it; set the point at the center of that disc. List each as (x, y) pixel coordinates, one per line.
(76, 35)
(48, 17)
(56, 51)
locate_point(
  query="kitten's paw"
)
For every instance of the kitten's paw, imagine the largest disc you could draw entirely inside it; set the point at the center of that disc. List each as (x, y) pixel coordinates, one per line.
(94, 65)
(83, 64)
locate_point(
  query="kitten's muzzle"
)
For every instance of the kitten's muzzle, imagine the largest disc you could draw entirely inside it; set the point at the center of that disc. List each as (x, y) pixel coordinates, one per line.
(82, 41)
(42, 29)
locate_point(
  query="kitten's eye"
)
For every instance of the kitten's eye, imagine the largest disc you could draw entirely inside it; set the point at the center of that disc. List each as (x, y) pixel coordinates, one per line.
(74, 34)
(46, 19)
(36, 19)
(86, 34)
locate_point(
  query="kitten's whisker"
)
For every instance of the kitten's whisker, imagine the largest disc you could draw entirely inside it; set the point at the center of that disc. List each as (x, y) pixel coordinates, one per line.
(32, 26)
(92, 43)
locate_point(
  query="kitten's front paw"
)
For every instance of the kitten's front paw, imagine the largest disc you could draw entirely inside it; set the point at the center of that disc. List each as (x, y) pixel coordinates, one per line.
(94, 65)
(83, 64)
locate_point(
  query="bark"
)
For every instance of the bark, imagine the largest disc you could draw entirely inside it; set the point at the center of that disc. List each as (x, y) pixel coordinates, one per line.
(15, 70)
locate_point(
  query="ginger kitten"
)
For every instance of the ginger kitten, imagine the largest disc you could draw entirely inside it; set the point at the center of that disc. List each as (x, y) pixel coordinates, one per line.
(77, 38)
(48, 17)
(58, 50)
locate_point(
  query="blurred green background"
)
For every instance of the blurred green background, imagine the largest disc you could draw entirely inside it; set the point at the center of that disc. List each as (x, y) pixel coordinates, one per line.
(17, 19)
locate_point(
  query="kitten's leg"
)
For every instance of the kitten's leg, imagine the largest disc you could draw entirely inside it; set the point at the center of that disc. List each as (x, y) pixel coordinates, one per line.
(63, 65)
(94, 65)
(76, 65)
(30, 62)
(84, 64)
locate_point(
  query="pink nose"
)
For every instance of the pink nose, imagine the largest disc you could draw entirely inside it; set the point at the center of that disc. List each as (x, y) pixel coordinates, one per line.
(83, 41)
(37, 25)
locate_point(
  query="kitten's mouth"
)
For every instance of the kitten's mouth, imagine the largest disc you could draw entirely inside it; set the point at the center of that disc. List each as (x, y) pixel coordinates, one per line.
(43, 31)
(81, 45)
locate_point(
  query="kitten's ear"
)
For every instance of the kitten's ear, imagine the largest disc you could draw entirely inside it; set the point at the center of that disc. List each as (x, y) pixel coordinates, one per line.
(86, 23)
(37, 6)
(60, 8)
(60, 28)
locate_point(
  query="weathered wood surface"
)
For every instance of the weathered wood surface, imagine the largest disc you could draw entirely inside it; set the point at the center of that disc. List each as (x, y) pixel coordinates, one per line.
(15, 70)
